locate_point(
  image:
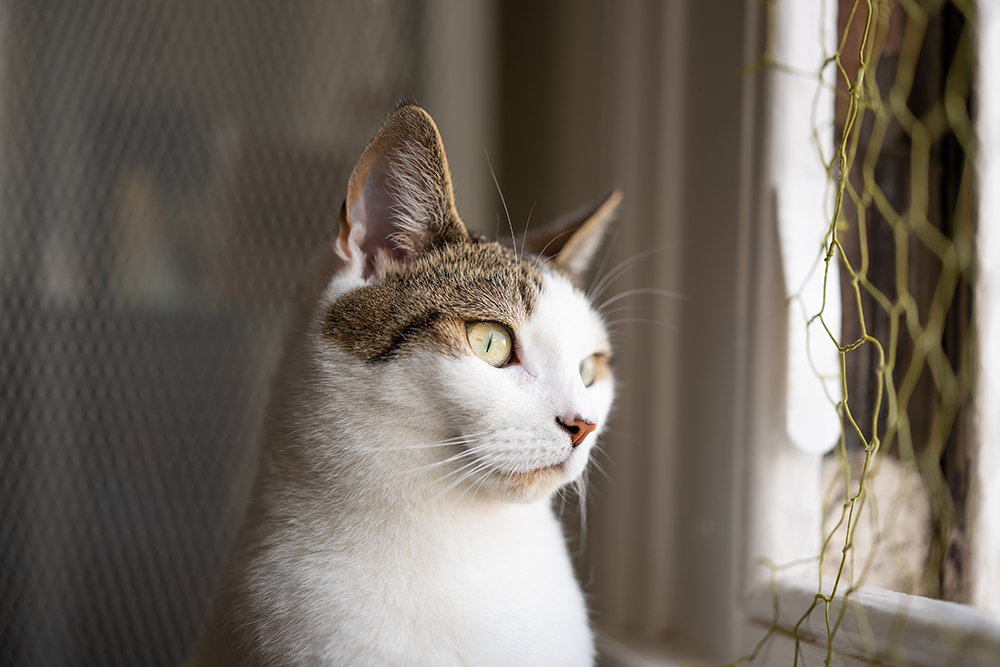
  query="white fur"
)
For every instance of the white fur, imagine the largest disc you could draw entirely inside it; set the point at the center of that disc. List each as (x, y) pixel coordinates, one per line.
(370, 542)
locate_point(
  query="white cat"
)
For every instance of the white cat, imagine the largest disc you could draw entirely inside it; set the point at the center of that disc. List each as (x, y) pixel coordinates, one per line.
(436, 390)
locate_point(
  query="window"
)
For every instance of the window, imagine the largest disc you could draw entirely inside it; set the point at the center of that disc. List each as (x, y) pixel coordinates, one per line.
(876, 623)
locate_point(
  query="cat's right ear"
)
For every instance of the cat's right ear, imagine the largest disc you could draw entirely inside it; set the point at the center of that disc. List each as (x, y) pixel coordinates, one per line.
(400, 201)
(572, 240)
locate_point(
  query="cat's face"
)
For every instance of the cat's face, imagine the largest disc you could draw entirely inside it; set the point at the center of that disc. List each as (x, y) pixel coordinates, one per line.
(530, 424)
(495, 354)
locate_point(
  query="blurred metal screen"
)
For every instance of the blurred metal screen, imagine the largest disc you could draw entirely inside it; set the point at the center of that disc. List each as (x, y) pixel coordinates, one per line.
(166, 169)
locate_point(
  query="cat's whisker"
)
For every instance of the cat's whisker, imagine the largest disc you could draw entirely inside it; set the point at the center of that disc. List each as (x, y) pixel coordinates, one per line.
(513, 238)
(463, 439)
(473, 447)
(640, 290)
(542, 259)
(482, 465)
(616, 335)
(600, 469)
(604, 262)
(524, 237)
(466, 470)
(621, 308)
(407, 448)
(468, 453)
(598, 450)
(623, 266)
(641, 320)
(581, 491)
(561, 492)
(471, 443)
(475, 489)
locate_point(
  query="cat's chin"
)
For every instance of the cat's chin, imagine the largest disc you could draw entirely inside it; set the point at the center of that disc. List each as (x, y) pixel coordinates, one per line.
(532, 485)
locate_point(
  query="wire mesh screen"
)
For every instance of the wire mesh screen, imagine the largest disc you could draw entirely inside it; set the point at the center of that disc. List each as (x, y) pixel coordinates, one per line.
(165, 171)
(896, 499)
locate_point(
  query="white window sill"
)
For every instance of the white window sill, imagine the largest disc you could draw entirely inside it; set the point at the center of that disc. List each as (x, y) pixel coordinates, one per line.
(879, 627)
(884, 625)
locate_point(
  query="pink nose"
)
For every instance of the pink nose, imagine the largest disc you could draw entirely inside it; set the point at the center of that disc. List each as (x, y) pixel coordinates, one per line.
(578, 428)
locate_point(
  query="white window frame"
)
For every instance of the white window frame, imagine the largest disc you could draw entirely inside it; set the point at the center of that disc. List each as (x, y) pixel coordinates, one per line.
(986, 554)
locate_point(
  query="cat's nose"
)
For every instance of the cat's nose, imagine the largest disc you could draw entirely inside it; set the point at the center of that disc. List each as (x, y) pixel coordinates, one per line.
(578, 428)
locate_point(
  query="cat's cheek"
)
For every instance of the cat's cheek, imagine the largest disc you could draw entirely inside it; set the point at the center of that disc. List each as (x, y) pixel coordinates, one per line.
(602, 394)
(518, 375)
(577, 464)
(474, 397)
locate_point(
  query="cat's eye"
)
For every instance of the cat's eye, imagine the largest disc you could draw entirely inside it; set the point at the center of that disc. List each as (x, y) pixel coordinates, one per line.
(490, 341)
(588, 370)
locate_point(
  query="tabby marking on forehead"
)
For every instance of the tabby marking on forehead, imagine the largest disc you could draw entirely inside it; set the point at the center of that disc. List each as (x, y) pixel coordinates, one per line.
(418, 303)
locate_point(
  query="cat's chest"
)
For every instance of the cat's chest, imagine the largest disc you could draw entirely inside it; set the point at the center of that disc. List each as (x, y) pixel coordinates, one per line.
(492, 590)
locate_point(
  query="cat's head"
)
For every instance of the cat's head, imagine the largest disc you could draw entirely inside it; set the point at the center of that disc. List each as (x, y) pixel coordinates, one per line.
(490, 356)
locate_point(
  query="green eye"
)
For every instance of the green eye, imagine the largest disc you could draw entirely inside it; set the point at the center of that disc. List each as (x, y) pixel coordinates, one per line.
(490, 341)
(588, 370)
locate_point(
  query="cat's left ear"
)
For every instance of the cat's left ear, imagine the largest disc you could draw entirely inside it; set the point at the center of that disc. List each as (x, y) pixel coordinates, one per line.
(572, 240)
(400, 201)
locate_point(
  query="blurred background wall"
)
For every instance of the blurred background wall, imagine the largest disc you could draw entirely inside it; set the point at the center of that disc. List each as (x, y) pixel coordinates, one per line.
(166, 168)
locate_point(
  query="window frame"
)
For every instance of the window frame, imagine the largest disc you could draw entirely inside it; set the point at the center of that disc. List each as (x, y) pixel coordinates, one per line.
(986, 484)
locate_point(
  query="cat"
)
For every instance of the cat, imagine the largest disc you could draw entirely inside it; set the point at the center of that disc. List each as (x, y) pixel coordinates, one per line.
(436, 390)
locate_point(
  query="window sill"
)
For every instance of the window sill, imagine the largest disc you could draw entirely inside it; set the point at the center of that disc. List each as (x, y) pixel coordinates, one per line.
(882, 625)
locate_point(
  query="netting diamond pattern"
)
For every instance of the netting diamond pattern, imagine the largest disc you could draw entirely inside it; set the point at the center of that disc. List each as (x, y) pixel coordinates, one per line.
(165, 170)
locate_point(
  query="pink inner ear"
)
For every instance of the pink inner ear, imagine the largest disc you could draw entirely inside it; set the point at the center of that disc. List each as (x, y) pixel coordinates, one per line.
(373, 220)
